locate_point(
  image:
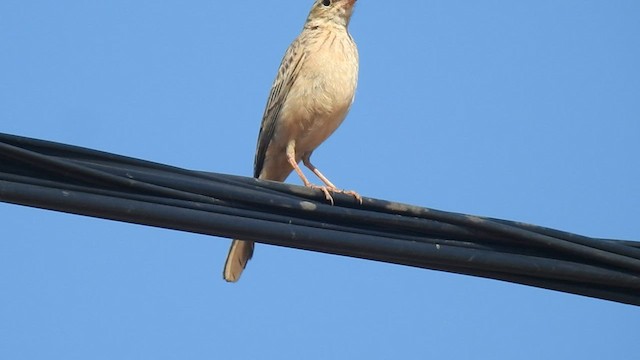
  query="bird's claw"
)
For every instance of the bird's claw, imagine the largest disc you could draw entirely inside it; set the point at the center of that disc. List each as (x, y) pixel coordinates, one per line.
(352, 193)
(327, 190)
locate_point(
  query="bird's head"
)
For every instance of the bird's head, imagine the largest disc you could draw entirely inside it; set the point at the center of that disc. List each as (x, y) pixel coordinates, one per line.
(334, 12)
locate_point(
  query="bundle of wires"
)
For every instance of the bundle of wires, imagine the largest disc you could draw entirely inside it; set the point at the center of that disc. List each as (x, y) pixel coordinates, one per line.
(87, 182)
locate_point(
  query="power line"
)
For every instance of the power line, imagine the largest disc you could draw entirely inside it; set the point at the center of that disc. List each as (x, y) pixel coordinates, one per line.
(87, 182)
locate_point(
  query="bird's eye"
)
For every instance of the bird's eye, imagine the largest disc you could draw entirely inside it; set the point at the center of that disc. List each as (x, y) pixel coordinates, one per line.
(326, 2)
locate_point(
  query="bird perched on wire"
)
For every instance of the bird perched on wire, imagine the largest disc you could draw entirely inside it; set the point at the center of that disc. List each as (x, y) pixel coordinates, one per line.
(309, 99)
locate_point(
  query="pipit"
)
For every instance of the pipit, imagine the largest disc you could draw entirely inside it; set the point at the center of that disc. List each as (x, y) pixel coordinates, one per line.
(309, 99)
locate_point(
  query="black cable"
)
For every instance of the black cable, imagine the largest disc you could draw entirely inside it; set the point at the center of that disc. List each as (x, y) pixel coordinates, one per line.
(89, 182)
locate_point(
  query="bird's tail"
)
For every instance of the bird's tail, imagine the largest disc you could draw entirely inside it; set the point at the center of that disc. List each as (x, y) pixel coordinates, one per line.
(239, 254)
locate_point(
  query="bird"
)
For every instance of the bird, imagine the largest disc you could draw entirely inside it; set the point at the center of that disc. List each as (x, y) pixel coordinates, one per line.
(310, 97)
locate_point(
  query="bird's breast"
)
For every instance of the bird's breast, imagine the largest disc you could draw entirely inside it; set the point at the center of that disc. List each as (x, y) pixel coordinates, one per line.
(324, 90)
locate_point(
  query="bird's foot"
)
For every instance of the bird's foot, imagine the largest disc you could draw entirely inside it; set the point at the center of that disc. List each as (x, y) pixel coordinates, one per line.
(325, 190)
(328, 190)
(350, 192)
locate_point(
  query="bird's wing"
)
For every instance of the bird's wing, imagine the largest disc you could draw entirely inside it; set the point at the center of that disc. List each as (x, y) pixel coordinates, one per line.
(287, 75)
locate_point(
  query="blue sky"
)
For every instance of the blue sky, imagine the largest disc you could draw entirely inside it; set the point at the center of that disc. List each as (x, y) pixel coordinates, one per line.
(521, 110)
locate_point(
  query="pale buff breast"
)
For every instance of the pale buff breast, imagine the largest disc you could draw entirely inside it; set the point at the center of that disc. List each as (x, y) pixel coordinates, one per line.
(321, 96)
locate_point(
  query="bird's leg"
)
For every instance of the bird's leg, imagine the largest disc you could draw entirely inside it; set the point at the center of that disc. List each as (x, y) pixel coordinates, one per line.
(306, 160)
(291, 158)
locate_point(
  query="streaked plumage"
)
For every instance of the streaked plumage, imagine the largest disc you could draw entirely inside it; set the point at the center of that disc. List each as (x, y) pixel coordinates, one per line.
(309, 99)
